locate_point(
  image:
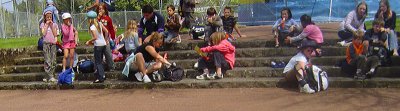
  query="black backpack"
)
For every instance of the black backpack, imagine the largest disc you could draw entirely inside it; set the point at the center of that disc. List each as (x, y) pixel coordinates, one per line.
(173, 73)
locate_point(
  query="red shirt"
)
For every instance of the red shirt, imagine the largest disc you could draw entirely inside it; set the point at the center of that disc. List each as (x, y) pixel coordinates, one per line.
(107, 22)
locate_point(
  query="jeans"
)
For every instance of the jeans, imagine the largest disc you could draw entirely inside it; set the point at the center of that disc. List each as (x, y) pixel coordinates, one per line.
(393, 41)
(169, 35)
(108, 56)
(99, 52)
(216, 60)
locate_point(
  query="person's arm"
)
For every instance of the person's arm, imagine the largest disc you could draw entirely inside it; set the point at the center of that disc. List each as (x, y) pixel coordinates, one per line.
(94, 37)
(158, 57)
(235, 26)
(220, 47)
(44, 28)
(76, 36)
(111, 25)
(160, 24)
(95, 4)
(54, 29)
(217, 21)
(276, 24)
(349, 20)
(137, 41)
(141, 28)
(106, 36)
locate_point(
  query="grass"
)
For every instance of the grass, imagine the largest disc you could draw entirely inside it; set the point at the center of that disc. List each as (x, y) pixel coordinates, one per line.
(368, 25)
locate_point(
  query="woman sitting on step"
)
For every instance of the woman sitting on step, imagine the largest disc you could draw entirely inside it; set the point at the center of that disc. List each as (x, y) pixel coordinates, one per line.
(146, 58)
(221, 57)
(354, 21)
(295, 69)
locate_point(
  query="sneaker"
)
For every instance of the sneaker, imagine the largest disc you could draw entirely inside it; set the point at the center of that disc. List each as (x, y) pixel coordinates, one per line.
(196, 65)
(146, 79)
(52, 79)
(179, 39)
(211, 76)
(98, 81)
(201, 77)
(306, 89)
(139, 77)
(347, 44)
(45, 80)
(219, 77)
(341, 43)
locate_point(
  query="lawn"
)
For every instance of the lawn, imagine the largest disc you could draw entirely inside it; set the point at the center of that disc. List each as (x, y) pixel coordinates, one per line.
(368, 24)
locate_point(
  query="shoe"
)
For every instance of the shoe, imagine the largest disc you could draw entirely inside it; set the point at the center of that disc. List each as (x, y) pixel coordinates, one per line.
(201, 77)
(52, 79)
(347, 44)
(179, 39)
(276, 45)
(196, 65)
(146, 79)
(211, 76)
(395, 53)
(341, 43)
(98, 81)
(45, 80)
(306, 89)
(219, 77)
(139, 77)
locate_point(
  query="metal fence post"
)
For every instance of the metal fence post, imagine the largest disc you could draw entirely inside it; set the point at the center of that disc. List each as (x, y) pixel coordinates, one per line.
(330, 11)
(126, 18)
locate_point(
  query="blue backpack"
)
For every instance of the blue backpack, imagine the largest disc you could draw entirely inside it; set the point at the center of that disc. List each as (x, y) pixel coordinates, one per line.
(85, 66)
(66, 77)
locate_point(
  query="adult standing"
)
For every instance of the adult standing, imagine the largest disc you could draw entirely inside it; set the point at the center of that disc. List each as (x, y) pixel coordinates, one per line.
(354, 21)
(187, 10)
(107, 22)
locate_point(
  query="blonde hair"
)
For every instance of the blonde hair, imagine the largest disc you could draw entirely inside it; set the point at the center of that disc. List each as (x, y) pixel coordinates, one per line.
(131, 28)
(155, 36)
(359, 34)
(95, 23)
(217, 37)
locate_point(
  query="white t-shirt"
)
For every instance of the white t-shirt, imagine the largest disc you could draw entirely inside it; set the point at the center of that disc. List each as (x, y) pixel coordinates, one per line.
(100, 41)
(293, 61)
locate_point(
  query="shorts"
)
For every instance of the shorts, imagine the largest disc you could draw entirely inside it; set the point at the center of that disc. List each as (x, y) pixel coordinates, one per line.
(69, 45)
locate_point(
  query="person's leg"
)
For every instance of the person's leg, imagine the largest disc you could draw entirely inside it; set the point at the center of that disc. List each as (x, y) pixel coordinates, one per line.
(360, 63)
(219, 62)
(53, 52)
(108, 55)
(204, 65)
(47, 61)
(64, 61)
(153, 67)
(98, 55)
(71, 57)
(207, 32)
(345, 35)
(140, 63)
(303, 85)
(373, 63)
(393, 42)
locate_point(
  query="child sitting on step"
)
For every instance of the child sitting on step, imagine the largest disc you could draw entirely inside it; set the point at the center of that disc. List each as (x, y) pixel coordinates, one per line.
(221, 57)
(356, 55)
(284, 27)
(213, 24)
(130, 39)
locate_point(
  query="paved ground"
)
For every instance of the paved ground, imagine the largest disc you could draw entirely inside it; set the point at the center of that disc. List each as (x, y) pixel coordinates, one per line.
(266, 99)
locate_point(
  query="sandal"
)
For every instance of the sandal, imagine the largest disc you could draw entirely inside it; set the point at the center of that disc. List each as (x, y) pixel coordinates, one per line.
(277, 45)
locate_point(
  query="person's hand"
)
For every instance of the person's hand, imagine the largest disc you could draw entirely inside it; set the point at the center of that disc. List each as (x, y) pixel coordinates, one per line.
(243, 36)
(210, 19)
(88, 43)
(287, 40)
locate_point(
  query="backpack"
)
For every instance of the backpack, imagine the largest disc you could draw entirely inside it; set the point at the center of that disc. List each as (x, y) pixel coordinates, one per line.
(198, 31)
(381, 52)
(173, 73)
(67, 77)
(316, 78)
(40, 44)
(85, 66)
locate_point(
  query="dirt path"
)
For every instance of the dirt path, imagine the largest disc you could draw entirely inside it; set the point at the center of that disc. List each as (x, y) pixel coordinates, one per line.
(201, 99)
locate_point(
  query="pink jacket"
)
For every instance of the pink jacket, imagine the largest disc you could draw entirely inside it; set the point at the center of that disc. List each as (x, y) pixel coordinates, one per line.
(68, 33)
(226, 48)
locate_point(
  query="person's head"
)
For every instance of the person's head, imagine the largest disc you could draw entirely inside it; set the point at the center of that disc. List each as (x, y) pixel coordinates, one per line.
(286, 13)
(50, 2)
(66, 18)
(307, 47)
(358, 37)
(156, 39)
(48, 16)
(131, 27)
(102, 9)
(377, 25)
(217, 37)
(227, 11)
(384, 7)
(306, 20)
(92, 19)
(362, 10)
(147, 11)
(211, 11)
(170, 10)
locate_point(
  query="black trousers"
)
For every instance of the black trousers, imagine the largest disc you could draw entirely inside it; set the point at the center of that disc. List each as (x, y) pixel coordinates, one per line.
(216, 59)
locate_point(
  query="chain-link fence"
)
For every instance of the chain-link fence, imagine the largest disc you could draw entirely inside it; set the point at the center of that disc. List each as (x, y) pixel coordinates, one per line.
(321, 10)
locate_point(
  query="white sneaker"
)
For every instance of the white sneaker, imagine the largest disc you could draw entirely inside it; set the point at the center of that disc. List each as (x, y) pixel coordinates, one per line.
(44, 80)
(196, 65)
(211, 76)
(341, 43)
(347, 44)
(306, 89)
(146, 79)
(179, 39)
(139, 77)
(52, 79)
(201, 77)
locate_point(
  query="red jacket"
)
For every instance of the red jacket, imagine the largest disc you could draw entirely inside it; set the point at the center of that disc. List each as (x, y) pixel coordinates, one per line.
(226, 48)
(107, 22)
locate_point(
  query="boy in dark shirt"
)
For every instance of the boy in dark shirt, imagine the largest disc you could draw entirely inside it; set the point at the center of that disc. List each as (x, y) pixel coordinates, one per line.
(229, 23)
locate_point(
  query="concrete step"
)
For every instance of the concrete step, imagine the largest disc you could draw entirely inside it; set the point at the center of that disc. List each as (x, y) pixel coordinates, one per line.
(239, 72)
(334, 82)
(190, 54)
(258, 43)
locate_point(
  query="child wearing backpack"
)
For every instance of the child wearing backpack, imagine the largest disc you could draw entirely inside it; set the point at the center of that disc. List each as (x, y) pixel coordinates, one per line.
(99, 42)
(69, 39)
(130, 39)
(356, 55)
(221, 57)
(49, 31)
(284, 27)
(213, 24)
(172, 26)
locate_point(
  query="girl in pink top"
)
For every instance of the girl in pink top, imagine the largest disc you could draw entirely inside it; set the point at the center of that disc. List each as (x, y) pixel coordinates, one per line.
(49, 31)
(221, 57)
(70, 38)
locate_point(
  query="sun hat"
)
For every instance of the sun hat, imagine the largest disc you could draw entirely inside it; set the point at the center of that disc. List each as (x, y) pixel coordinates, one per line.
(66, 16)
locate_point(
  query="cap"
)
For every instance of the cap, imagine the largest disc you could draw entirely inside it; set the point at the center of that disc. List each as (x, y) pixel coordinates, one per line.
(91, 14)
(66, 15)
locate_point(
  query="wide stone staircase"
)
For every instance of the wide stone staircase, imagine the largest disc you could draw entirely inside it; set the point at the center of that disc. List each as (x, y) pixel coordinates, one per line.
(252, 69)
